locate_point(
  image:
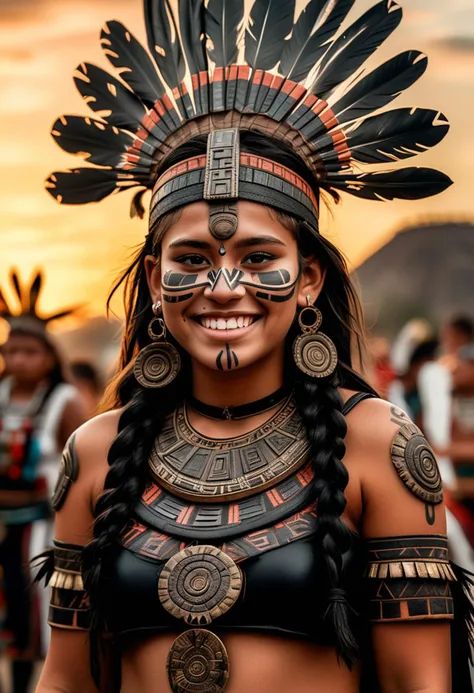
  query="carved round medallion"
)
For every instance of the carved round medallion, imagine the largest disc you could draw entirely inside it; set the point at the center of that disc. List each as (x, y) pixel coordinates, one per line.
(315, 355)
(199, 584)
(157, 365)
(197, 663)
(416, 464)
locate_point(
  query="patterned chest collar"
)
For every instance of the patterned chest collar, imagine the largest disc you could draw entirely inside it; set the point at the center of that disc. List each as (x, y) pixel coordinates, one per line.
(205, 470)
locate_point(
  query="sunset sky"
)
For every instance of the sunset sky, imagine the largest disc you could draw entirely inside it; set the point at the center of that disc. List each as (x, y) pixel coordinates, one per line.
(81, 248)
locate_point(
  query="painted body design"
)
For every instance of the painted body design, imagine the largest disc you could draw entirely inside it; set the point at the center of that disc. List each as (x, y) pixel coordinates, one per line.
(275, 285)
(227, 360)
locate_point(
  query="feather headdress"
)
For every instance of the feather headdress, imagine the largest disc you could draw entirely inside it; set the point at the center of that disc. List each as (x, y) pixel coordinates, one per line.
(206, 68)
(28, 317)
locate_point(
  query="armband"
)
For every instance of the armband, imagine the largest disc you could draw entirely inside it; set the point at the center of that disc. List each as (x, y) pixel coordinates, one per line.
(408, 578)
(69, 606)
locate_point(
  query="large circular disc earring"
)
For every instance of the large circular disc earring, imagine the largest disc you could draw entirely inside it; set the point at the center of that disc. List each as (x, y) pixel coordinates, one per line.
(314, 352)
(158, 364)
(315, 355)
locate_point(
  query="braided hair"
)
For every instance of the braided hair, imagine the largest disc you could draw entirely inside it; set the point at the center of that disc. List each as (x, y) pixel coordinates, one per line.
(319, 402)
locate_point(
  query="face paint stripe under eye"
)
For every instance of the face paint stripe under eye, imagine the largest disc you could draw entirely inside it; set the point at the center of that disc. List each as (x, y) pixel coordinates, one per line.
(177, 299)
(276, 299)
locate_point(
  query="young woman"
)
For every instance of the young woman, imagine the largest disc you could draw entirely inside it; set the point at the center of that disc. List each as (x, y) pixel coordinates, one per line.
(39, 410)
(248, 516)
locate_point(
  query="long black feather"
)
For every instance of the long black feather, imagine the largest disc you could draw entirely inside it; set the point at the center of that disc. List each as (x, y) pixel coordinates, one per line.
(35, 290)
(82, 185)
(193, 37)
(316, 25)
(224, 22)
(110, 98)
(5, 311)
(61, 314)
(133, 62)
(381, 86)
(398, 134)
(405, 184)
(348, 52)
(97, 142)
(15, 279)
(163, 41)
(270, 23)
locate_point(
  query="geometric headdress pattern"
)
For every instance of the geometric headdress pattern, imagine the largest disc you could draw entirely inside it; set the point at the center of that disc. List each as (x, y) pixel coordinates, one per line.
(28, 298)
(300, 80)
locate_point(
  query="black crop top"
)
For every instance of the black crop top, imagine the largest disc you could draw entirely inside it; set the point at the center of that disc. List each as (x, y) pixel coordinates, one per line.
(283, 593)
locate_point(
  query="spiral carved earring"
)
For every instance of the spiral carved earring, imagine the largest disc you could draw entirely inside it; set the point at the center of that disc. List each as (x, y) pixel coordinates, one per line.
(313, 351)
(158, 364)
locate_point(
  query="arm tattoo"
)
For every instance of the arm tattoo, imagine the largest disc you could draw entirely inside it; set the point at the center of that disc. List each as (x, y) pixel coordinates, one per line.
(416, 465)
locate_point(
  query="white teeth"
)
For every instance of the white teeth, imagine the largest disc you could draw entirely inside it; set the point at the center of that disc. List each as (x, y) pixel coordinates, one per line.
(230, 324)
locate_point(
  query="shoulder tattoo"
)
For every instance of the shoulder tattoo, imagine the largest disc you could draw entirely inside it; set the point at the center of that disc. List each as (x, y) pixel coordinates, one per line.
(68, 472)
(416, 464)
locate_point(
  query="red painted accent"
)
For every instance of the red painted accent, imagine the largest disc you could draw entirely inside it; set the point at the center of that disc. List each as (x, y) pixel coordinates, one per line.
(218, 75)
(151, 492)
(232, 73)
(258, 77)
(267, 79)
(203, 78)
(288, 86)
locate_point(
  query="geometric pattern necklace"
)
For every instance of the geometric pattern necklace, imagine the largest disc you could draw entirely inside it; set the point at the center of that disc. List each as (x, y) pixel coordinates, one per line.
(200, 469)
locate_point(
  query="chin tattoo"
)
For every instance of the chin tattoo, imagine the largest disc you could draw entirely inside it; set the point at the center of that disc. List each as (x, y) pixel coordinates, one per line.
(227, 359)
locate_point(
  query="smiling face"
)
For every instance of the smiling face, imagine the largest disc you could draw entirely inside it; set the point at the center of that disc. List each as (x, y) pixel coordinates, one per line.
(230, 304)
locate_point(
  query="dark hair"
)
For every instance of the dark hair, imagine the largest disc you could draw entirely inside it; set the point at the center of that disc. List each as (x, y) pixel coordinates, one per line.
(463, 324)
(84, 371)
(57, 375)
(319, 402)
(425, 350)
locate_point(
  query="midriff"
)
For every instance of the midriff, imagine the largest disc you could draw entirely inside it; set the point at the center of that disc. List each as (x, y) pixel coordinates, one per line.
(258, 663)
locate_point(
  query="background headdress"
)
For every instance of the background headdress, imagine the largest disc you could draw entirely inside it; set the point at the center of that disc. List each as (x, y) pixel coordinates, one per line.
(27, 318)
(299, 82)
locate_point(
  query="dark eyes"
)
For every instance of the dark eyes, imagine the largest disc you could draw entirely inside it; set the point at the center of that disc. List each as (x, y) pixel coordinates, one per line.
(195, 260)
(258, 258)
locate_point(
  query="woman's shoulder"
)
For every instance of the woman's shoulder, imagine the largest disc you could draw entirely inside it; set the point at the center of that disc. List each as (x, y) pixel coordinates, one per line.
(373, 421)
(93, 439)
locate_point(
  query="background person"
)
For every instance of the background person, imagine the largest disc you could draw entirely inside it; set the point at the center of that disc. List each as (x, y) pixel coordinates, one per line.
(39, 410)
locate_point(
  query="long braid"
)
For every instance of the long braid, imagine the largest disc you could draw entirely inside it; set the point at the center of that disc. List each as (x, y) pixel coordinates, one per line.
(140, 422)
(320, 406)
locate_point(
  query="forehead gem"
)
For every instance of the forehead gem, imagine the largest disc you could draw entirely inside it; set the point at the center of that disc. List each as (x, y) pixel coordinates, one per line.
(222, 250)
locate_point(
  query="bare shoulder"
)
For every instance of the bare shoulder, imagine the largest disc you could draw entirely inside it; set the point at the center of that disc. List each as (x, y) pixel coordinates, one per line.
(398, 473)
(92, 442)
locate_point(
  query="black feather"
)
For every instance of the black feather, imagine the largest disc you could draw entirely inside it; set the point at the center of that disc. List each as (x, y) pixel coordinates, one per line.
(61, 314)
(224, 22)
(398, 134)
(405, 184)
(163, 41)
(316, 25)
(270, 23)
(82, 185)
(5, 311)
(381, 86)
(15, 279)
(96, 141)
(193, 37)
(110, 98)
(35, 290)
(348, 52)
(137, 208)
(133, 62)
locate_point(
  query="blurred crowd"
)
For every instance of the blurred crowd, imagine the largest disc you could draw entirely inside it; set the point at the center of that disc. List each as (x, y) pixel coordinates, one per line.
(430, 375)
(427, 373)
